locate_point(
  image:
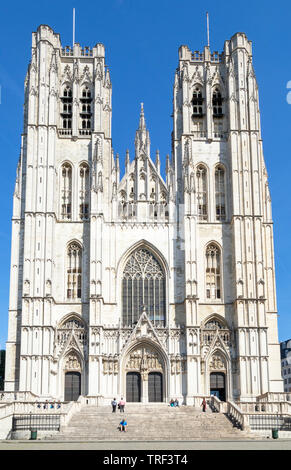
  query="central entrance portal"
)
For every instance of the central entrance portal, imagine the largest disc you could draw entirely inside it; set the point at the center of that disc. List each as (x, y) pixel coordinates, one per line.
(144, 374)
(133, 387)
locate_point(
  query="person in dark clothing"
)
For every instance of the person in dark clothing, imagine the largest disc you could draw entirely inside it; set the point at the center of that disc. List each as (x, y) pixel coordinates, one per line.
(114, 405)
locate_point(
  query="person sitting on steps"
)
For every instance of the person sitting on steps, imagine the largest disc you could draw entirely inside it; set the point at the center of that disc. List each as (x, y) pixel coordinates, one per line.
(123, 425)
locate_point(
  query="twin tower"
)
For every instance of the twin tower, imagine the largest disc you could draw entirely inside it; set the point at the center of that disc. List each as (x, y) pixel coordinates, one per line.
(135, 285)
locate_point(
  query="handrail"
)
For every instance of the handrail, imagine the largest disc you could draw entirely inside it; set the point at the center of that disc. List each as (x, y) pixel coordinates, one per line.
(237, 416)
(217, 404)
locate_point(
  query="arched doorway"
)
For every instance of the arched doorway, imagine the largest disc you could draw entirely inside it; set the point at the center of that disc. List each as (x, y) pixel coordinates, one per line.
(133, 387)
(155, 387)
(217, 385)
(144, 374)
(72, 377)
(72, 386)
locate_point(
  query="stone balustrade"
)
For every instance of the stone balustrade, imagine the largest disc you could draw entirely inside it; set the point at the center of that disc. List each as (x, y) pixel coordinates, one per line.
(236, 415)
(283, 407)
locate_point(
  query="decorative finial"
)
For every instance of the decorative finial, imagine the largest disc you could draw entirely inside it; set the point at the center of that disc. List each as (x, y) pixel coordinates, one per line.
(142, 124)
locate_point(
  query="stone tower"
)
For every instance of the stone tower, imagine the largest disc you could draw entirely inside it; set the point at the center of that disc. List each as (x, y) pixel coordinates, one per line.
(229, 256)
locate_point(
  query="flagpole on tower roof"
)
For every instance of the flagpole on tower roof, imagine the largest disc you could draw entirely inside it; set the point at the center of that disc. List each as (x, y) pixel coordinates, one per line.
(73, 27)
(207, 16)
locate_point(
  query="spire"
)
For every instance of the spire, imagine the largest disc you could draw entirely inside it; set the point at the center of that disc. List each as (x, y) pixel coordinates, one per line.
(142, 124)
(142, 139)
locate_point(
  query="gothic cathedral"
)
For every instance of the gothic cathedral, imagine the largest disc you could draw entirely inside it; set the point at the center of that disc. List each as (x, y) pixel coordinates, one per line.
(140, 286)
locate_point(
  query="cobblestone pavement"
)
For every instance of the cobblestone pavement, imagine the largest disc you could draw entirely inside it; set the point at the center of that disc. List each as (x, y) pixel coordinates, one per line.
(269, 444)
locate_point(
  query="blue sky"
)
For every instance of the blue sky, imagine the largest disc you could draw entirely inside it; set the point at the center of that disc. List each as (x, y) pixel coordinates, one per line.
(142, 38)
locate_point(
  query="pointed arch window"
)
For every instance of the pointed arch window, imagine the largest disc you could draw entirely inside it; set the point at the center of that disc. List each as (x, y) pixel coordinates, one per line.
(217, 103)
(66, 191)
(201, 185)
(86, 109)
(213, 272)
(143, 287)
(220, 193)
(66, 111)
(197, 102)
(84, 191)
(74, 271)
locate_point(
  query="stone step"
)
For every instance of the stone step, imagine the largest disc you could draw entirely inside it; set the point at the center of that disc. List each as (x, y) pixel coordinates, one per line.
(147, 422)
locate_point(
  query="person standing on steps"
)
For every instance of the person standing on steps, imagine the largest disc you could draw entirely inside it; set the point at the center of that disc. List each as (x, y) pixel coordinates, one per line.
(203, 404)
(114, 405)
(121, 405)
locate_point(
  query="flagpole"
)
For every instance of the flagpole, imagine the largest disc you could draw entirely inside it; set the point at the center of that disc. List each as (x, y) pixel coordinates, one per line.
(207, 29)
(73, 27)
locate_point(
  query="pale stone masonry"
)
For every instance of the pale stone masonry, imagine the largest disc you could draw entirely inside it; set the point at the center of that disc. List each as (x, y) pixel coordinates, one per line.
(136, 286)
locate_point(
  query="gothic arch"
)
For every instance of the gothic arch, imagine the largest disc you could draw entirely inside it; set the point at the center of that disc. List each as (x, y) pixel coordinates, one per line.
(85, 85)
(72, 363)
(215, 317)
(67, 86)
(218, 362)
(144, 356)
(71, 316)
(197, 82)
(204, 165)
(142, 244)
(143, 278)
(74, 240)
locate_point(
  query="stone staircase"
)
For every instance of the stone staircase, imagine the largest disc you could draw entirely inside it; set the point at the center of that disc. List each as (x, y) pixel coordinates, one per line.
(155, 422)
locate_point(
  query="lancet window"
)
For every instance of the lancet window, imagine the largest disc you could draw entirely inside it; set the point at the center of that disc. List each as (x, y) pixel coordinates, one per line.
(86, 111)
(220, 193)
(66, 191)
(201, 185)
(66, 111)
(84, 191)
(197, 102)
(74, 271)
(213, 272)
(217, 103)
(143, 287)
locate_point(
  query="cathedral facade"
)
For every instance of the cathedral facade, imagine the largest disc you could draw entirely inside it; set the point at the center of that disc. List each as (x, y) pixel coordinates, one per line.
(140, 286)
